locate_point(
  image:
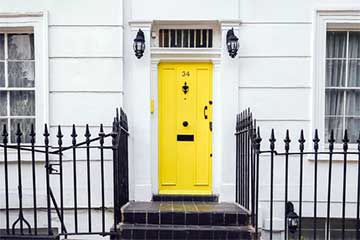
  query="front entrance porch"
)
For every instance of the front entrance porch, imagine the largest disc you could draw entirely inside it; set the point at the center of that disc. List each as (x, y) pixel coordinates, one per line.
(190, 217)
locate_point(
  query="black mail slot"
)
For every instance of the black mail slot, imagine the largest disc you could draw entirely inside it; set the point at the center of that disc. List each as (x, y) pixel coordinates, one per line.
(185, 137)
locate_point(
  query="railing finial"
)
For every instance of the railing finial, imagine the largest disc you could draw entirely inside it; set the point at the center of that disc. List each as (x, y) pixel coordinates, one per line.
(331, 140)
(32, 134)
(5, 134)
(73, 134)
(18, 134)
(316, 140)
(59, 136)
(287, 140)
(301, 140)
(87, 133)
(272, 140)
(345, 140)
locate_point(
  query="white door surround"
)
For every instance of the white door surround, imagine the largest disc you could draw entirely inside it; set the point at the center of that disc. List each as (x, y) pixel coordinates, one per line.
(144, 74)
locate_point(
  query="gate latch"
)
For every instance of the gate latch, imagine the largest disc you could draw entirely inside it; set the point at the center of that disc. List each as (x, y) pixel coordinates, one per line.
(53, 170)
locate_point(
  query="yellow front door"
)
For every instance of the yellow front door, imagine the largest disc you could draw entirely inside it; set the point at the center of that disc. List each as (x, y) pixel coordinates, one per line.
(185, 122)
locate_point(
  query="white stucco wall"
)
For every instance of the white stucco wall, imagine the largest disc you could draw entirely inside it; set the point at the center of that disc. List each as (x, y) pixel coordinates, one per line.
(93, 70)
(276, 80)
(85, 49)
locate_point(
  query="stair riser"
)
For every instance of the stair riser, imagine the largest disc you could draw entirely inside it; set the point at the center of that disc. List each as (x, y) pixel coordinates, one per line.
(185, 198)
(183, 234)
(187, 218)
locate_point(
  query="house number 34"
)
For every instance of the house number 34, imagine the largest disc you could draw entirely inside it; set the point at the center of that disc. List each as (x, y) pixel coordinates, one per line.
(185, 74)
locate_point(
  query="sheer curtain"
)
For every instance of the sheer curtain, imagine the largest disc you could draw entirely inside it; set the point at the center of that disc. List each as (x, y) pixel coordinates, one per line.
(17, 83)
(335, 78)
(352, 107)
(342, 105)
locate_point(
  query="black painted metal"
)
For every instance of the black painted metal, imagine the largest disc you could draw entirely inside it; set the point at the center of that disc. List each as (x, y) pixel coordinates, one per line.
(287, 148)
(345, 148)
(250, 160)
(316, 141)
(331, 149)
(27, 226)
(272, 153)
(246, 164)
(301, 148)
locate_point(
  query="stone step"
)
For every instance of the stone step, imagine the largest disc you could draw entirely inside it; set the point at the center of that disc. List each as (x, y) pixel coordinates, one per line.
(164, 231)
(185, 198)
(185, 213)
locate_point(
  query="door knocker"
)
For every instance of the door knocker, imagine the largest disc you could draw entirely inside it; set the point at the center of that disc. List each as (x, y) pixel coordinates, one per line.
(185, 88)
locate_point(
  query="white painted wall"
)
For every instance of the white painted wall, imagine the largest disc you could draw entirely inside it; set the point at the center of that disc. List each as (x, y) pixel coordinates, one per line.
(276, 81)
(85, 86)
(93, 70)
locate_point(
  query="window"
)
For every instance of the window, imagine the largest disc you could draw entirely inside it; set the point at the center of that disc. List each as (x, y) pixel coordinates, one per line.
(342, 84)
(17, 83)
(186, 38)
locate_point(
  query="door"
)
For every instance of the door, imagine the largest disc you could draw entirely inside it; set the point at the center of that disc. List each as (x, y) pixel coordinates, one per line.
(185, 125)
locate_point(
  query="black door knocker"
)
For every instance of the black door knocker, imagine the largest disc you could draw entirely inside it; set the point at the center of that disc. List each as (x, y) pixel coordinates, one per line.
(185, 88)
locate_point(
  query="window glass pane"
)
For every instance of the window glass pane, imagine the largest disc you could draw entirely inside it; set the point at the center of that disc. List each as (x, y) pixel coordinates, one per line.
(352, 102)
(354, 73)
(3, 103)
(21, 46)
(198, 38)
(172, 38)
(353, 127)
(354, 44)
(25, 126)
(336, 44)
(186, 38)
(22, 103)
(178, 38)
(21, 74)
(336, 124)
(166, 38)
(210, 38)
(2, 74)
(334, 104)
(335, 73)
(2, 49)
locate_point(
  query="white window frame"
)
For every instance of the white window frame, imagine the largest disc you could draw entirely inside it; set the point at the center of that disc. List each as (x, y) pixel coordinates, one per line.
(326, 19)
(38, 22)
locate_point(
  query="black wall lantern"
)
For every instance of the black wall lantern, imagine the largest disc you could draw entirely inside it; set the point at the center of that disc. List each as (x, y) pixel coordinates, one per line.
(292, 217)
(139, 44)
(232, 43)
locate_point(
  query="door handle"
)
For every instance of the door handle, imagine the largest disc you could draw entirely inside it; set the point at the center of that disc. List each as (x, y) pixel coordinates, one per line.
(205, 116)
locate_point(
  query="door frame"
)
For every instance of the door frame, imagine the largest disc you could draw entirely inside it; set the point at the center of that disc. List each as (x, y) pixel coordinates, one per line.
(185, 55)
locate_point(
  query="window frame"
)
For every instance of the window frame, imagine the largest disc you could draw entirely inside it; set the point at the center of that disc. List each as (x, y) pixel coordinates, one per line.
(38, 23)
(8, 89)
(328, 19)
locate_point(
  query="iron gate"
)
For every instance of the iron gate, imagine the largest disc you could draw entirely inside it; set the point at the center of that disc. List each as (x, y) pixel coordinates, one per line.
(255, 158)
(78, 177)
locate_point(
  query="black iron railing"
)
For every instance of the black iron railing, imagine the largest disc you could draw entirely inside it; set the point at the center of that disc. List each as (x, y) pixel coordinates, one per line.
(250, 160)
(61, 164)
(247, 161)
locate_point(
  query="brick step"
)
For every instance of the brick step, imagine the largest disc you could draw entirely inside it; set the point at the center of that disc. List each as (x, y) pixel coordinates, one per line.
(164, 231)
(185, 213)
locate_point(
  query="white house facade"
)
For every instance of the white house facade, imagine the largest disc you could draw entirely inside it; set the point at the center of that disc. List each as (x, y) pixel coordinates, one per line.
(297, 68)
